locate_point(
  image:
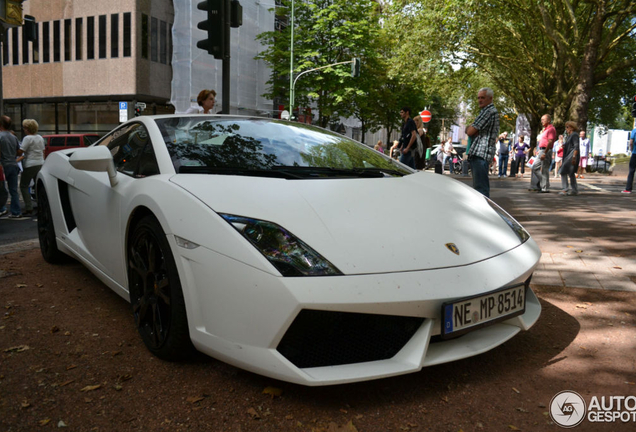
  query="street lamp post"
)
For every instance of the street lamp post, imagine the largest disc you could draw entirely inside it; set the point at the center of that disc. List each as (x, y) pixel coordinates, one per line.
(291, 64)
(293, 82)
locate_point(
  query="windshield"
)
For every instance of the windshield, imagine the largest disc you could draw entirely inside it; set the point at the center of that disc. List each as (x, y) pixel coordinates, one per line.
(241, 146)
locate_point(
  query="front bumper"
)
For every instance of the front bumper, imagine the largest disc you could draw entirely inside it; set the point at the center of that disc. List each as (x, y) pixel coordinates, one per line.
(244, 316)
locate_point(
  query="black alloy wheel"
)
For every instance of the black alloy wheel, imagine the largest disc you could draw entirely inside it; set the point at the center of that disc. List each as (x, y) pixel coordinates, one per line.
(46, 230)
(155, 293)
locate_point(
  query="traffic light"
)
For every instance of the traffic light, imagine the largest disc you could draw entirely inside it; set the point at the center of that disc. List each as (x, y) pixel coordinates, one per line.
(634, 107)
(236, 14)
(355, 67)
(139, 108)
(214, 26)
(30, 31)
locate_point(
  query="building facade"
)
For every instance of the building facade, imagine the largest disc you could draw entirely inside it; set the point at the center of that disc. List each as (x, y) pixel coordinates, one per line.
(88, 57)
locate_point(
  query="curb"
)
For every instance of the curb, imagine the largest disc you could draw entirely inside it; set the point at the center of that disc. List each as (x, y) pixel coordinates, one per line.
(19, 246)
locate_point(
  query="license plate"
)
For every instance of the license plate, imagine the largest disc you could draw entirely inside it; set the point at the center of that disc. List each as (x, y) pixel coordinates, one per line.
(462, 316)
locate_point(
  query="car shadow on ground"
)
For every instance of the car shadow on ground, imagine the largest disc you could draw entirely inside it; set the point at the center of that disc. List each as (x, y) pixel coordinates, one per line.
(82, 334)
(525, 353)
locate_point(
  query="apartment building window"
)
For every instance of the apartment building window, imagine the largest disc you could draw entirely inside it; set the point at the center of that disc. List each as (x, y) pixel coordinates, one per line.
(36, 44)
(154, 43)
(78, 38)
(15, 50)
(127, 30)
(144, 36)
(169, 43)
(68, 39)
(25, 47)
(163, 43)
(5, 52)
(114, 36)
(56, 41)
(102, 36)
(90, 38)
(46, 42)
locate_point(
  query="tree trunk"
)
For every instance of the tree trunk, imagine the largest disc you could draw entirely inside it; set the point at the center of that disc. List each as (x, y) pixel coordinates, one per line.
(535, 127)
(363, 130)
(585, 84)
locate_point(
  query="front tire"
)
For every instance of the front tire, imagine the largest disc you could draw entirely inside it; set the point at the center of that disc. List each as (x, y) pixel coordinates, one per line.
(156, 296)
(46, 230)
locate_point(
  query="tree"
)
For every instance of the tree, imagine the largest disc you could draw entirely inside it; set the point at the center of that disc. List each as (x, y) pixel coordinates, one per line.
(325, 32)
(559, 57)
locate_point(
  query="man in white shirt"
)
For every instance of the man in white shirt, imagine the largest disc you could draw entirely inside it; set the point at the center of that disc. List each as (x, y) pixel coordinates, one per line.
(584, 151)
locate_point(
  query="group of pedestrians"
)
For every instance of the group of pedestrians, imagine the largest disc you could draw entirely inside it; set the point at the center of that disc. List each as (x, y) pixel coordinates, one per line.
(511, 154)
(29, 155)
(413, 141)
(572, 151)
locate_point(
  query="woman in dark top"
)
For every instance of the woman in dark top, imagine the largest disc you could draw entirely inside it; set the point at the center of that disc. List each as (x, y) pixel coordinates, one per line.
(521, 150)
(570, 159)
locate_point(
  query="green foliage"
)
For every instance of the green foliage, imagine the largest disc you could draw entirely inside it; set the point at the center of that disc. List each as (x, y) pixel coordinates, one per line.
(325, 32)
(623, 121)
(558, 57)
(331, 31)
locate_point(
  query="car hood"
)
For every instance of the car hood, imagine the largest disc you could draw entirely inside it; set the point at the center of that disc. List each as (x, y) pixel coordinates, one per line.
(364, 226)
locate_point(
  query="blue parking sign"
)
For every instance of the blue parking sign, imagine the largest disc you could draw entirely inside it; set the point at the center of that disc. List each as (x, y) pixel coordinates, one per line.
(123, 105)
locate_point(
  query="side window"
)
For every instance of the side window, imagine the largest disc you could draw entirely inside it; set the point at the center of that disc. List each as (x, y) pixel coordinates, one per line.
(89, 139)
(132, 151)
(72, 141)
(57, 141)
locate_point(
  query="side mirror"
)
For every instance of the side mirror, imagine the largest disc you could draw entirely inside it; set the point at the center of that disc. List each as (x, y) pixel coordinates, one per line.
(95, 158)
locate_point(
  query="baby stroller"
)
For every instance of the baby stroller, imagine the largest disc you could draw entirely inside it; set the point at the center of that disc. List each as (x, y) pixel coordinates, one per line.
(458, 161)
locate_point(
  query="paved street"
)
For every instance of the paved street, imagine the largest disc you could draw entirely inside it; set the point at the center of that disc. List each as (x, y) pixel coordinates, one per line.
(16, 232)
(80, 336)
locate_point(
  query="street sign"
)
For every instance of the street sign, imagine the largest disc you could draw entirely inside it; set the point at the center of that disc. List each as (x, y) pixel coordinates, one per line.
(426, 116)
(123, 112)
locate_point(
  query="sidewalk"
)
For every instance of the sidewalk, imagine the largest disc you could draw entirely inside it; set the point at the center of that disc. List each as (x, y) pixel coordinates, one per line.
(588, 241)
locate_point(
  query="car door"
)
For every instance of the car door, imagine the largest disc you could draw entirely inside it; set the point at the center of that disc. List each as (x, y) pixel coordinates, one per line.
(97, 206)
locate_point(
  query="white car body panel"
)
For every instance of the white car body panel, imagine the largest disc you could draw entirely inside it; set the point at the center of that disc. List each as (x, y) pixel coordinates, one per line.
(379, 232)
(342, 220)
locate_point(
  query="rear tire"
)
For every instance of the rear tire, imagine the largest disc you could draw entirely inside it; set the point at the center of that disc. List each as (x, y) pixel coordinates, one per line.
(46, 230)
(156, 296)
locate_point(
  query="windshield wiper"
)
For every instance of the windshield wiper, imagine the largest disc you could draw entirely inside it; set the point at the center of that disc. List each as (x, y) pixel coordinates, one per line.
(318, 172)
(293, 172)
(388, 171)
(237, 171)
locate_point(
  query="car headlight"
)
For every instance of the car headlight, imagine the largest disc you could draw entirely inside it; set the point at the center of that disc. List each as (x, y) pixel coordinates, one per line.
(290, 255)
(522, 234)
